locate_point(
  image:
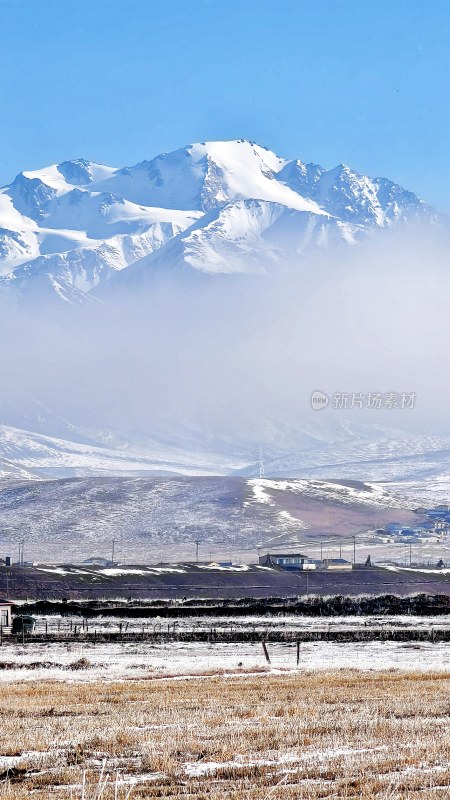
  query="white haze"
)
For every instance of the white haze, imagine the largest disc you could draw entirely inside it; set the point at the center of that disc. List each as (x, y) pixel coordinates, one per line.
(237, 357)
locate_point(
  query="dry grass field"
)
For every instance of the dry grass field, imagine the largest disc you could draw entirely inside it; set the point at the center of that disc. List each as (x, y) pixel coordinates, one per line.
(311, 735)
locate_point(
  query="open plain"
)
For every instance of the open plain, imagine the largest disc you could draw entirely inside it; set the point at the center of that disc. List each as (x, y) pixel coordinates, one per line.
(352, 734)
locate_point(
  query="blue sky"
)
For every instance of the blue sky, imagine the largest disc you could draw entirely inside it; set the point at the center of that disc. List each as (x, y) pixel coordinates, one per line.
(363, 82)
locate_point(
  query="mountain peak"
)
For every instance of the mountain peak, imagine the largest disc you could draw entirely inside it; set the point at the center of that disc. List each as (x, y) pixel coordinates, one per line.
(223, 205)
(78, 171)
(342, 169)
(203, 176)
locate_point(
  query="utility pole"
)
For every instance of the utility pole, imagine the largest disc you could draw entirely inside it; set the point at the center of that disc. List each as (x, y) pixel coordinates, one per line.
(307, 576)
(410, 553)
(354, 549)
(340, 551)
(321, 550)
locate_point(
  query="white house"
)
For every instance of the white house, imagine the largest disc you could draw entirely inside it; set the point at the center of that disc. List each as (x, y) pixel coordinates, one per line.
(5, 615)
(289, 561)
(427, 538)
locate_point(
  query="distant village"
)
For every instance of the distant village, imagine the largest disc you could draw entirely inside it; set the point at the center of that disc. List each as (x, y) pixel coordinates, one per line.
(433, 526)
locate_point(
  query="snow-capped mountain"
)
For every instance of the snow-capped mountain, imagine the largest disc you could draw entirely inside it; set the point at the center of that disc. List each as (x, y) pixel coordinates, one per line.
(412, 466)
(216, 207)
(245, 236)
(352, 197)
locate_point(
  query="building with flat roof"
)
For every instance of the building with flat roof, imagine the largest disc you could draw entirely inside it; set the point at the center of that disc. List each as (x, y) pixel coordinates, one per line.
(289, 561)
(337, 563)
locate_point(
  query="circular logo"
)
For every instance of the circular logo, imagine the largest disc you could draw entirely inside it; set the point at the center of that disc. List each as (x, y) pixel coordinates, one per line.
(319, 400)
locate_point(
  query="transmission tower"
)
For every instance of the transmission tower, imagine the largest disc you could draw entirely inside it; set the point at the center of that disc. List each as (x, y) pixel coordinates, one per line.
(262, 473)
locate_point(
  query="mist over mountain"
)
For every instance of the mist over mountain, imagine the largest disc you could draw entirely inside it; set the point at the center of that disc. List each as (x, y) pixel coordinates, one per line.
(175, 317)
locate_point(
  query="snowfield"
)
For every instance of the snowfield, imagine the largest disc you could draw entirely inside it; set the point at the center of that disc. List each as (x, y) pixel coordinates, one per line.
(124, 661)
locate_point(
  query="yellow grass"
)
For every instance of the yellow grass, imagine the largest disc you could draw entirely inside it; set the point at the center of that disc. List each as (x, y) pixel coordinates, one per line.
(358, 735)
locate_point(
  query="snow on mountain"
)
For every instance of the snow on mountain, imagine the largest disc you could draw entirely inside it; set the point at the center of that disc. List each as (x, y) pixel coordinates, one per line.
(18, 238)
(16, 247)
(350, 493)
(72, 275)
(254, 232)
(56, 211)
(206, 176)
(353, 197)
(414, 466)
(246, 236)
(72, 517)
(76, 238)
(102, 215)
(29, 454)
(82, 173)
(216, 207)
(32, 191)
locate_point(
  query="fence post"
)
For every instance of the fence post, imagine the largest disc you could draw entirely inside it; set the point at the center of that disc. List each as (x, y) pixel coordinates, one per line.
(266, 652)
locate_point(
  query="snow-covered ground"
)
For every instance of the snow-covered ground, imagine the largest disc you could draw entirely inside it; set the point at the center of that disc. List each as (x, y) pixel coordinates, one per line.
(124, 661)
(26, 454)
(369, 494)
(69, 520)
(55, 623)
